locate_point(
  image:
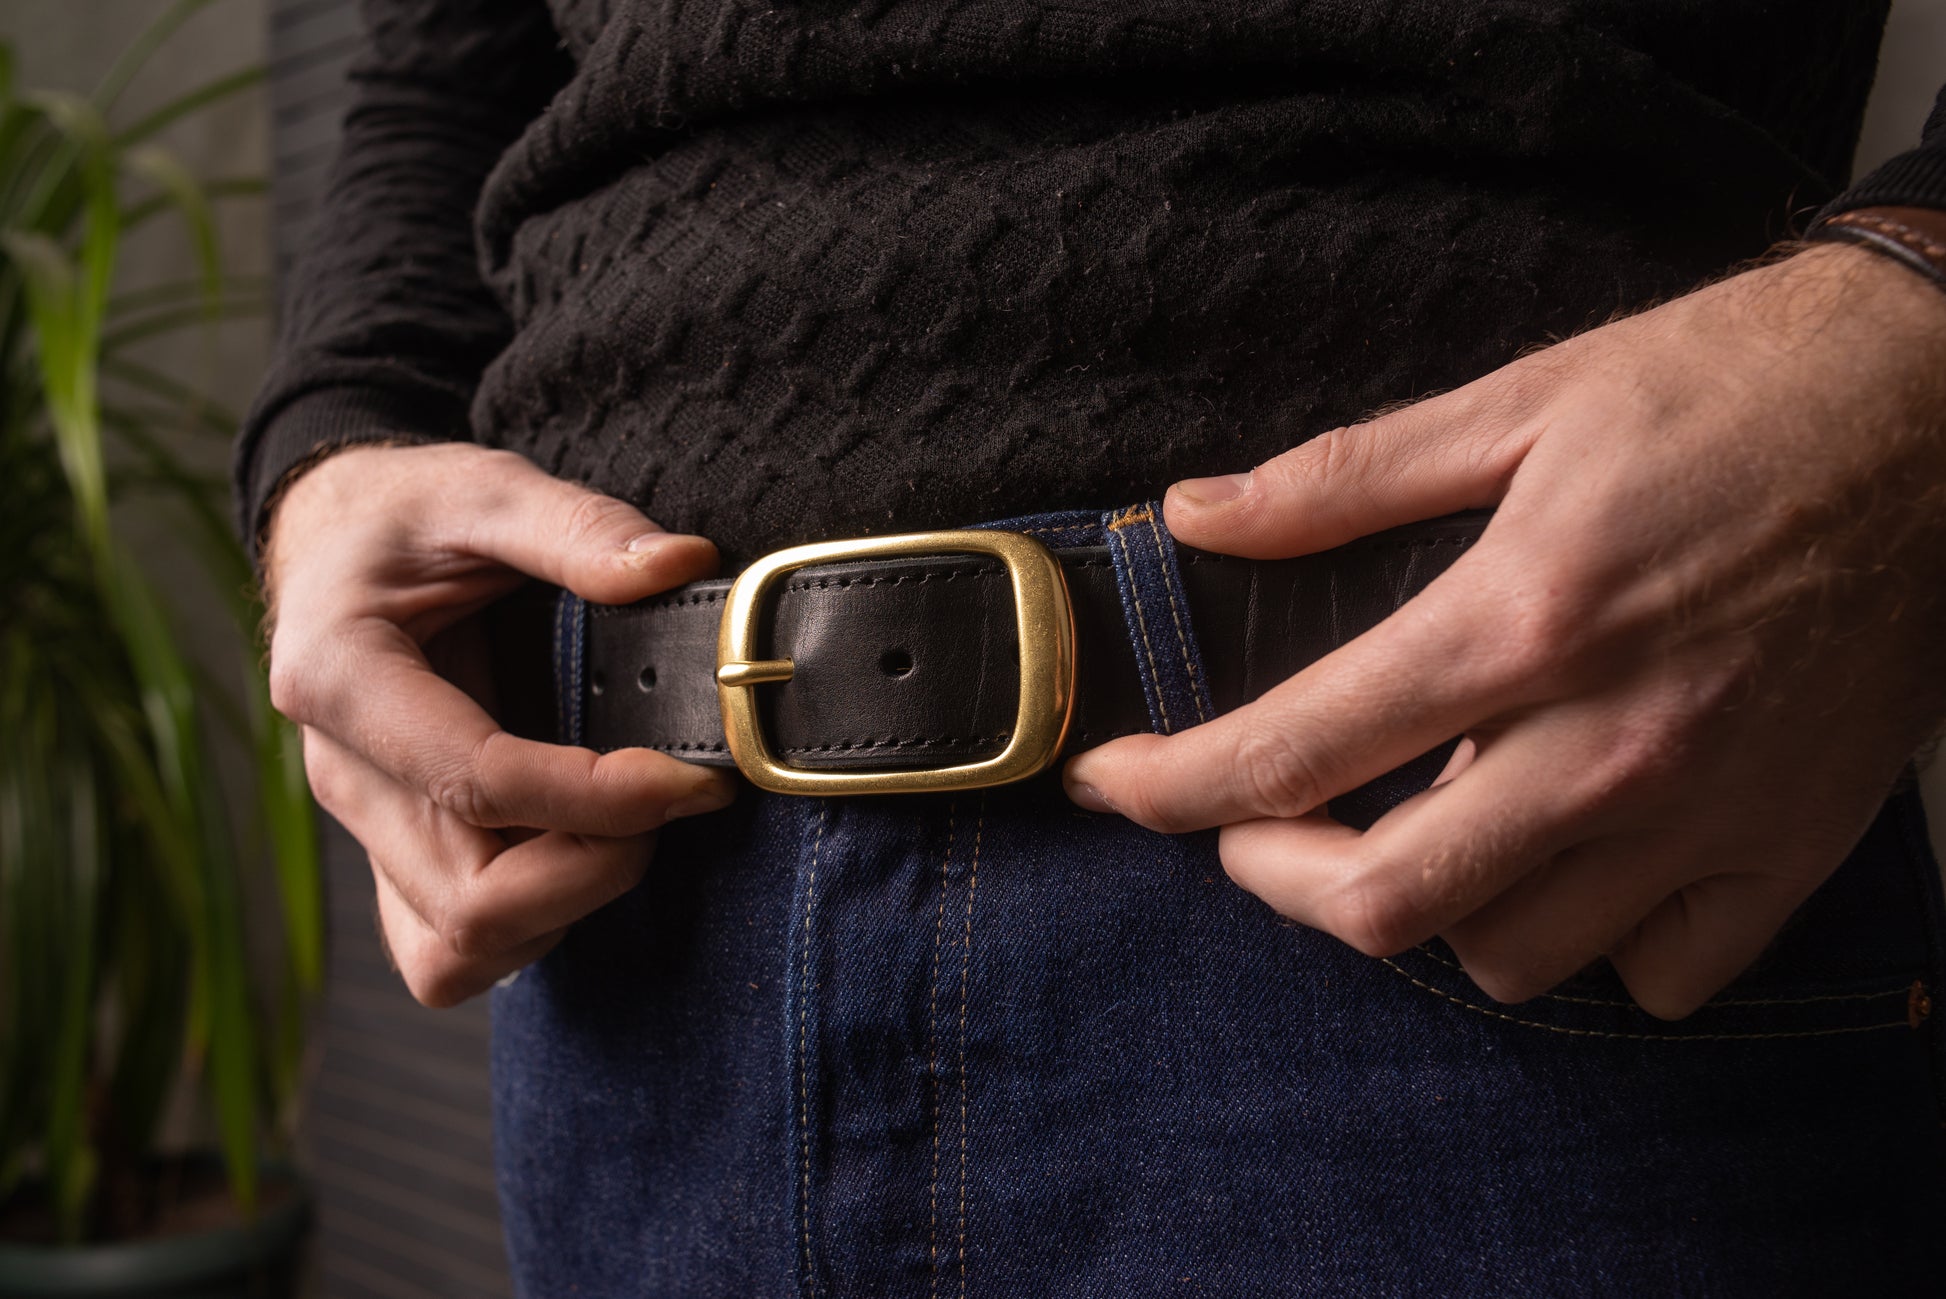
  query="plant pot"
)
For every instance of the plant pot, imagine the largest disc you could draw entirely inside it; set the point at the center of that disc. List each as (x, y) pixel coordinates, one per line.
(257, 1259)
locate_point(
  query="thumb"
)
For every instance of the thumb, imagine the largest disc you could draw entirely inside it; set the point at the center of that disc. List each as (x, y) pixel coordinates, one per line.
(1444, 454)
(602, 549)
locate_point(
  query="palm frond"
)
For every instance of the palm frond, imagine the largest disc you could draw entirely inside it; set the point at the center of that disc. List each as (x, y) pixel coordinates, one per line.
(125, 880)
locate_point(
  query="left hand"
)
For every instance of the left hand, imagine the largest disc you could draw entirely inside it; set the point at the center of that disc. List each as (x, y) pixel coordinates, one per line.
(1700, 638)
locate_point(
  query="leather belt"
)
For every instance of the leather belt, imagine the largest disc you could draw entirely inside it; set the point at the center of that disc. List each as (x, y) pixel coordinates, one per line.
(913, 662)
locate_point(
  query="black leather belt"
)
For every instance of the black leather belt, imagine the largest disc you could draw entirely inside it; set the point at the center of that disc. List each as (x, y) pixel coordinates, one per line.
(913, 662)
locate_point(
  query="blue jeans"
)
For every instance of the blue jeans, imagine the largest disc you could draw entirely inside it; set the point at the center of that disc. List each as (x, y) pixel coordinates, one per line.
(990, 1044)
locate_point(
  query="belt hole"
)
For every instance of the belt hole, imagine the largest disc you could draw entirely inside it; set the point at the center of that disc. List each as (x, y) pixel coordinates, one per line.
(645, 681)
(895, 662)
(597, 682)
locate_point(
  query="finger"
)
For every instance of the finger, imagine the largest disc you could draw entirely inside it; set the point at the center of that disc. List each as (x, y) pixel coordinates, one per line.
(373, 692)
(479, 893)
(601, 548)
(1452, 452)
(1702, 937)
(1432, 860)
(1430, 671)
(435, 974)
(396, 828)
(1555, 920)
(1462, 757)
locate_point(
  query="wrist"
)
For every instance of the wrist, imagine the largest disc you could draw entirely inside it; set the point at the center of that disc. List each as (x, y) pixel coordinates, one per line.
(1912, 237)
(1845, 300)
(273, 508)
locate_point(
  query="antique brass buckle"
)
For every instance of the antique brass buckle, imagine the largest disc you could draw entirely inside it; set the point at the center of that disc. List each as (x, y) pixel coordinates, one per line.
(1046, 617)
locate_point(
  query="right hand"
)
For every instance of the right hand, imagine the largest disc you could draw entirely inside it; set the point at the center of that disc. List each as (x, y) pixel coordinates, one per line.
(484, 846)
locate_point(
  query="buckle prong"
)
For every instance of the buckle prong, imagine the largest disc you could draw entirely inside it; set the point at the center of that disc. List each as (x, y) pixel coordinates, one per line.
(1045, 616)
(761, 672)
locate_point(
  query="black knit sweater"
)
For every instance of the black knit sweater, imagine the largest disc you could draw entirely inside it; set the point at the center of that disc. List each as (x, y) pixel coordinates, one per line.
(780, 270)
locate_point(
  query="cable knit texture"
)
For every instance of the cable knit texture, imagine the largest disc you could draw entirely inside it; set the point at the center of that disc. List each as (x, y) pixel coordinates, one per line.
(778, 271)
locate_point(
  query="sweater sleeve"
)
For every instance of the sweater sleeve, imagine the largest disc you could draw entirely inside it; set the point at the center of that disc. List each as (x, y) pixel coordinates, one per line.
(1916, 178)
(387, 323)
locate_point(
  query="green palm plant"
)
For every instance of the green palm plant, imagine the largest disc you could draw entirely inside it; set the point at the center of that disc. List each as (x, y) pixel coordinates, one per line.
(126, 916)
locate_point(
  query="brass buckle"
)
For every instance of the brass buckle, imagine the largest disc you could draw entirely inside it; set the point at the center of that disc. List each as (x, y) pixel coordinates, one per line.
(1046, 617)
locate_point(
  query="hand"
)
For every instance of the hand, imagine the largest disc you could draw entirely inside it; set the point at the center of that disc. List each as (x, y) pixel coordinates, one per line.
(484, 846)
(1697, 643)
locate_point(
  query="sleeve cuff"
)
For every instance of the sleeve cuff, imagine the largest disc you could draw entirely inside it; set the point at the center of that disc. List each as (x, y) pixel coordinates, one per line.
(1915, 179)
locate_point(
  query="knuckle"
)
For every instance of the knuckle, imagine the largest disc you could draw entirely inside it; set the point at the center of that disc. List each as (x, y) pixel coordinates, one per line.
(1647, 757)
(467, 791)
(1666, 999)
(593, 516)
(1660, 982)
(473, 923)
(1317, 464)
(438, 981)
(1282, 775)
(1642, 758)
(470, 931)
(434, 975)
(292, 687)
(1507, 982)
(1542, 635)
(495, 460)
(1527, 383)
(327, 779)
(495, 477)
(1375, 916)
(464, 793)
(495, 468)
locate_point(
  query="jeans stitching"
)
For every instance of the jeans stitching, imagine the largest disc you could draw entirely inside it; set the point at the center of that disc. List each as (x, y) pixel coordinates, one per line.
(965, 978)
(560, 669)
(932, 1041)
(1142, 623)
(1490, 1013)
(803, 1043)
(1175, 614)
(577, 627)
(1900, 991)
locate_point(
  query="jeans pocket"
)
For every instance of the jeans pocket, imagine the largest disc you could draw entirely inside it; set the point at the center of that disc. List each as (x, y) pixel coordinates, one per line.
(1862, 955)
(1595, 1004)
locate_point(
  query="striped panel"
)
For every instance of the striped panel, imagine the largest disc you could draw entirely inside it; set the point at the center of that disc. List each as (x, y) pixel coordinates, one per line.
(396, 1131)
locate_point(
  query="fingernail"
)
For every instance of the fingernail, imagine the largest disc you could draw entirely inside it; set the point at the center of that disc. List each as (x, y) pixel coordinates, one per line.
(710, 796)
(1089, 797)
(647, 541)
(1212, 491)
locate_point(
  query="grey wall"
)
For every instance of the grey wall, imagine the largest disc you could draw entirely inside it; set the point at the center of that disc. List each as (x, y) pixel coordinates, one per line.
(1912, 65)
